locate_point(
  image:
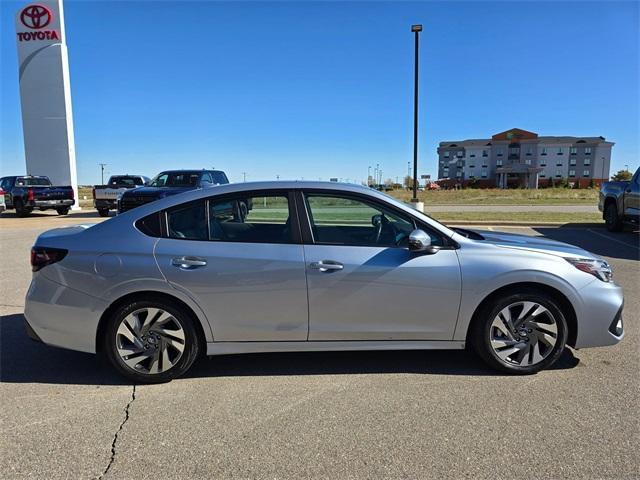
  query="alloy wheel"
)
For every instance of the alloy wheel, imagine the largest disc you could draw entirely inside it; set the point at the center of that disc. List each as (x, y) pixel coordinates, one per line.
(523, 334)
(150, 340)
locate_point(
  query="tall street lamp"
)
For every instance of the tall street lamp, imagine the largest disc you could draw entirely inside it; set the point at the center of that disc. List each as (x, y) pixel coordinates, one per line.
(415, 29)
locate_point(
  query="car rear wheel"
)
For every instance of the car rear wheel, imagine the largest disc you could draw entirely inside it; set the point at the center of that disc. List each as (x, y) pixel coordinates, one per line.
(151, 341)
(103, 212)
(522, 333)
(62, 210)
(611, 218)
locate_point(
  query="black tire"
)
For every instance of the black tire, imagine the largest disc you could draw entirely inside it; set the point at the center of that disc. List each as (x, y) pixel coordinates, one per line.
(480, 332)
(188, 356)
(103, 212)
(62, 210)
(611, 218)
(21, 210)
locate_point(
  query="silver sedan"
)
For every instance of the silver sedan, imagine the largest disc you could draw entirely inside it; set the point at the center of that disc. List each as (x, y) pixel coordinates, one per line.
(310, 266)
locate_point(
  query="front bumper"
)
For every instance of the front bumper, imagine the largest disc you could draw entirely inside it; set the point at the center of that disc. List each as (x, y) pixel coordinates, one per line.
(60, 316)
(599, 312)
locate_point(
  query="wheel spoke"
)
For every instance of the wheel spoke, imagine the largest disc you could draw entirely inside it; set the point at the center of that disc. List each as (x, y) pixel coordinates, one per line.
(177, 334)
(537, 356)
(545, 327)
(500, 343)
(507, 352)
(136, 359)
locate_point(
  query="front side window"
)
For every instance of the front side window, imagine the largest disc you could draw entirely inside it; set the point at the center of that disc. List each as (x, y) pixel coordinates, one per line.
(176, 179)
(348, 221)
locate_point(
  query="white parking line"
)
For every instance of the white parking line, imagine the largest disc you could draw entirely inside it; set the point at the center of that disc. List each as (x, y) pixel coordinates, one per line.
(614, 239)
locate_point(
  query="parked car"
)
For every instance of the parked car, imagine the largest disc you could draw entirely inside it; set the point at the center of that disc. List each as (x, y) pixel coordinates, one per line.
(25, 193)
(3, 205)
(312, 267)
(170, 182)
(620, 203)
(105, 197)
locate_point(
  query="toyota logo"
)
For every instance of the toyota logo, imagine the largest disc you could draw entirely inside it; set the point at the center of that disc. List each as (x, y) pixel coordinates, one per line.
(36, 16)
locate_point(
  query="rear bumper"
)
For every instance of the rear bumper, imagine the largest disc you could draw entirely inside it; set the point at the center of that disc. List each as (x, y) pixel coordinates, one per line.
(62, 317)
(110, 204)
(51, 203)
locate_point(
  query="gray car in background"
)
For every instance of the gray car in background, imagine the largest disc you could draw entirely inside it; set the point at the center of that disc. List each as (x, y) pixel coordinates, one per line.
(311, 266)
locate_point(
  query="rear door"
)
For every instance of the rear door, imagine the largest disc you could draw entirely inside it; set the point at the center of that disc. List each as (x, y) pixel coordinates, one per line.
(364, 283)
(245, 269)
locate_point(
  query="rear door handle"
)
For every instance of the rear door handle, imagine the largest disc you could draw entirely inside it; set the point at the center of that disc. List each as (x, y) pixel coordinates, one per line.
(326, 265)
(188, 263)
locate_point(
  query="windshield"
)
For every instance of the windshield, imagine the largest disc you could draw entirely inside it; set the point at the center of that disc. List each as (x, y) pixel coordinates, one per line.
(176, 179)
(127, 181)
(33, 181)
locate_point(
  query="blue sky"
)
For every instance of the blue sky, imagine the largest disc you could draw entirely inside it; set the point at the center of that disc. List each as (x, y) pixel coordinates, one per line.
(319, 90)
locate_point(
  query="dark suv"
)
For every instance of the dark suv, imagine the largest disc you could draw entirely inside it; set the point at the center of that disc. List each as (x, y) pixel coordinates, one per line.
(170, 182)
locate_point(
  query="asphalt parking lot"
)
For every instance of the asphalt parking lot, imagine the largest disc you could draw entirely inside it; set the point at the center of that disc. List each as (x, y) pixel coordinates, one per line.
(323, 415)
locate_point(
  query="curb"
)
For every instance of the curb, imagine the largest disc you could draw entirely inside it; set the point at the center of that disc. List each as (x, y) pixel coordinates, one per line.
(520, 224)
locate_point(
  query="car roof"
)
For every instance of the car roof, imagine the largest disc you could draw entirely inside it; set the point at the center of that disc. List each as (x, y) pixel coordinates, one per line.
(189, 170)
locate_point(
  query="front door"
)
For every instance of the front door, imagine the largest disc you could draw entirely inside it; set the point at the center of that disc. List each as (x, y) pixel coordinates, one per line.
(364, 283)
(632, 197)
(240, 259)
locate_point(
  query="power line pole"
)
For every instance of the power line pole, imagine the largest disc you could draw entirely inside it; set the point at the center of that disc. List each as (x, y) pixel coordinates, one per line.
(102, 165)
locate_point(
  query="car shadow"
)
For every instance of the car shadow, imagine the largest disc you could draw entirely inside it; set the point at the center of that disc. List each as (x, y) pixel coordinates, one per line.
(23, 360)
(624, 245)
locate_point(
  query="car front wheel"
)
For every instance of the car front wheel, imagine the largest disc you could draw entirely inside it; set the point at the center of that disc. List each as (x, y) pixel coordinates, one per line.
(611, 218)
(151, 341)
(522, 333)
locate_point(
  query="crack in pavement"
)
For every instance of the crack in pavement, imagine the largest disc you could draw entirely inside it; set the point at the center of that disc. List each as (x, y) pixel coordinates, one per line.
(115, 436)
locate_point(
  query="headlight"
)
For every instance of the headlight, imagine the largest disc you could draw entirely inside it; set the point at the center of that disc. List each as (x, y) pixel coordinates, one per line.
(597, 268)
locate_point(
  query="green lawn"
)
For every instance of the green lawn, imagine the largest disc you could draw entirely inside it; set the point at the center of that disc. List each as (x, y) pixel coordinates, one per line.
(494, 196)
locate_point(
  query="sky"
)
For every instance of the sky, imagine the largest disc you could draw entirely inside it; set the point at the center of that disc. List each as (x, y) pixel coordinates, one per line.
(316, 90)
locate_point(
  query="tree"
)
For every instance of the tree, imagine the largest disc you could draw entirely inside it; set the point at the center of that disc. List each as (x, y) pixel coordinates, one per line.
(408, 181)
(622, 176)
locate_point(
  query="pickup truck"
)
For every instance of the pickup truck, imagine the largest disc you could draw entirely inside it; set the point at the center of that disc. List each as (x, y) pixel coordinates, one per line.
(620, 203)
(105, 197)
(28, 192)
(170, 182)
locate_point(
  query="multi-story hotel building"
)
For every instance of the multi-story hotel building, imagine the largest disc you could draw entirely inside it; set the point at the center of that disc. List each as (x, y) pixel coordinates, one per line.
(517, 158)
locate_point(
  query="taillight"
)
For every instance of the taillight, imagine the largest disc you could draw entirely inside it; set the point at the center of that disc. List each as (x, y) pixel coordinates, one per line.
(30, 196)
(1, 191)
(43, 256)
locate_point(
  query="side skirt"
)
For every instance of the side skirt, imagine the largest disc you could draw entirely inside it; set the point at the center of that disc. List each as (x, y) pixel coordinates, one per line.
(229, 348)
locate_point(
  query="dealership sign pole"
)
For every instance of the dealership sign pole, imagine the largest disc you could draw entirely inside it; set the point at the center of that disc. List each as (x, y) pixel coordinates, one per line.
(45, 93)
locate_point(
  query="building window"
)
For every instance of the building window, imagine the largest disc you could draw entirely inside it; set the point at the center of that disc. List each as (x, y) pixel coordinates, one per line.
(573, 150)
(542, 175)
(446, 154)
(499, 163)
(558, 174)
(485, 153)
(587, 161)
(529, 151)
(484, 174)
(543, 164)
(472, 155)
(460, 154)
(587, 150)
(585, 173)
(460, 164)
(572, 173)
(458, 174)
(471, 166)
(559, 164)
(572, 161)
(528, 161)
(544, 151)
(560, 152)
(514, 151)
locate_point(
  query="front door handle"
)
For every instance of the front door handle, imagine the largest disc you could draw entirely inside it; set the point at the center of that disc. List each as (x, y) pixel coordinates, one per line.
(188, 263)
(326, 265)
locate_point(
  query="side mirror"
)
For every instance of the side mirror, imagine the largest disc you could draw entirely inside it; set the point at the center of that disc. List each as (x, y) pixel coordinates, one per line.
(420, 242)
(206, 183)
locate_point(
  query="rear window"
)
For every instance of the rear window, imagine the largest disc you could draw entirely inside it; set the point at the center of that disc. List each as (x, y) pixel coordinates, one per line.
(126, 181)
(32, 181)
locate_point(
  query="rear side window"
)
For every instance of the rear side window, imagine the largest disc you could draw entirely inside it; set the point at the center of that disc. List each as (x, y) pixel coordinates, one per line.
(188, 221)
(150, 225)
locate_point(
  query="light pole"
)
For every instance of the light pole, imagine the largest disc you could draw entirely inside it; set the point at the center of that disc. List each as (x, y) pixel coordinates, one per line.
(102, 165)
(244, 176)
(416, 29)
(369, 176)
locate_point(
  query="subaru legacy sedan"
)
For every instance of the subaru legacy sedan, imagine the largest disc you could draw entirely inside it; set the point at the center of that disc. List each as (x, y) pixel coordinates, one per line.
(310, 266)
